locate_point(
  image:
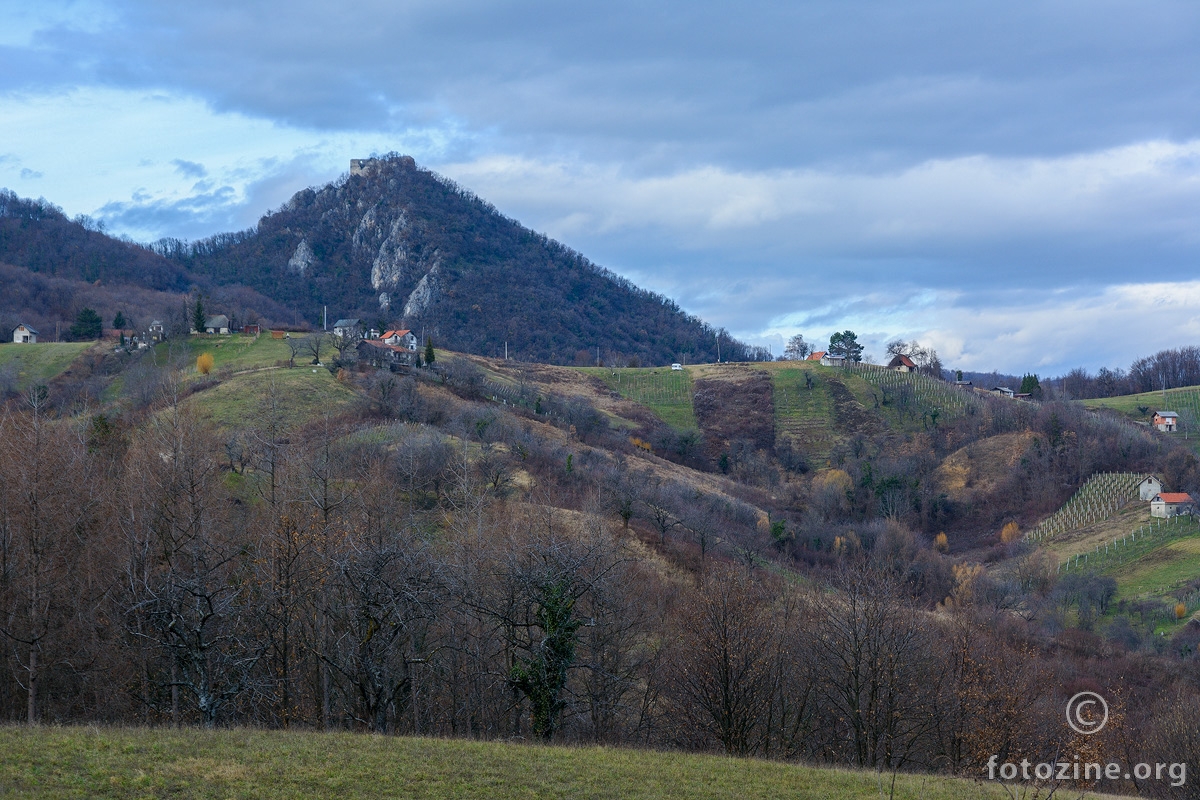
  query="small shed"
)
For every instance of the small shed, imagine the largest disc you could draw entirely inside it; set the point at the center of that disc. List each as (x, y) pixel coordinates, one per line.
(23, 334)
(829, 360)
(1148, 487)
(1171, 504)
(902, 363)
(251, 330)
(1003, 391)
(1165, 421)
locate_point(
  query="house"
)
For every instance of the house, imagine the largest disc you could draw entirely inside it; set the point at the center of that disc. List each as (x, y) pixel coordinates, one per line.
(829, 360)
(23, 334)
(1026, 396)
(1165, 421)
(965, 384)
(1149, 487)
(1171, 504)
(385, 356)
(401, 338)
(217, 324)
(157, 331)
(1003, 391)
(815, 355)
(902, 363)
(347, 327)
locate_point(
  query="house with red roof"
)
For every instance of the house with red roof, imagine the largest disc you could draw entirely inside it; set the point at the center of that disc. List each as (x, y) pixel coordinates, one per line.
(815, 355)
(401, 338)
(1171, 504)
(902, 363)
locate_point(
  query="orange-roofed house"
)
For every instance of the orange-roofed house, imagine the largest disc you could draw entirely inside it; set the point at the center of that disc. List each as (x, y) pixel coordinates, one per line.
(405, 338)
(815, 355)
(902, 364)
(1171, 504)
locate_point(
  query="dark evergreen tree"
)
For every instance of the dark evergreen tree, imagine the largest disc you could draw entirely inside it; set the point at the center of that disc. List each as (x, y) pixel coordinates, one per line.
(846, 344)
(87, 325)
(430, 356)
(198, 315)
(119, 321)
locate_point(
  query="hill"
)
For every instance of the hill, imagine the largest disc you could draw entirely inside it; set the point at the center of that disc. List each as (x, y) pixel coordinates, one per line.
(52, 266)
(116, 762)
(398, 242)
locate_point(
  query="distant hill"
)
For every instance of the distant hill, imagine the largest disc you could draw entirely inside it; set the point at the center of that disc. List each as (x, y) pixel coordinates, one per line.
(395, 243)
(52, 266)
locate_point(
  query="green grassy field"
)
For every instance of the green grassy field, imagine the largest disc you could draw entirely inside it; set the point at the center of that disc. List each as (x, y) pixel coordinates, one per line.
(304, 393)
(236, 352)
(41, 362)
(141, 763)
(666, 392)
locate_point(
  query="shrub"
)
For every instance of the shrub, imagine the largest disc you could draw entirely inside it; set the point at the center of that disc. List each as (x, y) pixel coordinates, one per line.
(204, 363)
(1010, 533)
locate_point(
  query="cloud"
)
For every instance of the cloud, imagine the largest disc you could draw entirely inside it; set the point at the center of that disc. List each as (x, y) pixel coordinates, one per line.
(29, 174)
(189, 169)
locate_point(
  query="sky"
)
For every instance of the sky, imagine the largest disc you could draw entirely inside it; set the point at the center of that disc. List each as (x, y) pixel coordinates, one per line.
(1016, 185)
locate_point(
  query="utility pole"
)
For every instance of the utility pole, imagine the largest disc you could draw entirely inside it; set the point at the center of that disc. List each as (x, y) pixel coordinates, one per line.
(506, 351)
(325, 320)
(597, 355)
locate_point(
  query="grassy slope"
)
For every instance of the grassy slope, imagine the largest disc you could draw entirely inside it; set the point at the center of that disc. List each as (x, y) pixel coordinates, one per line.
(1183, 398)
(91, 762)
(41, 362)
(666, 392)
(304, 394)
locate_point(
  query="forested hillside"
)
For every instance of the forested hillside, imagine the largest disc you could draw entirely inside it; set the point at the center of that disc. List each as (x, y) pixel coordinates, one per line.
(398, 242)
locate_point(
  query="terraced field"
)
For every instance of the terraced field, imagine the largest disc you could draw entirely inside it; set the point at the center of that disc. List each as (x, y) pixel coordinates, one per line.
(666, 392)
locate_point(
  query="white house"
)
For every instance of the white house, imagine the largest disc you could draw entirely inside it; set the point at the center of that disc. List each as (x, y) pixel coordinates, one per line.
(157, 331)
(345, 327)
(23, 334)
(1165, 421)
(1149, 487)
(400, 338)
(902, 363)
(1171, 504)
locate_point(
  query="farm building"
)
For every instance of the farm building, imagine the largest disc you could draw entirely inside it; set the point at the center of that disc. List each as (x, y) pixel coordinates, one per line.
(1003, 391)
(902, 364)
(251, 330)
(347, 327)
(815, 355)
(389, 356)
(829, 360)
(23, 334)
(217, 324)
(1171, 504)
(1149, 487)
(1165, 421)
